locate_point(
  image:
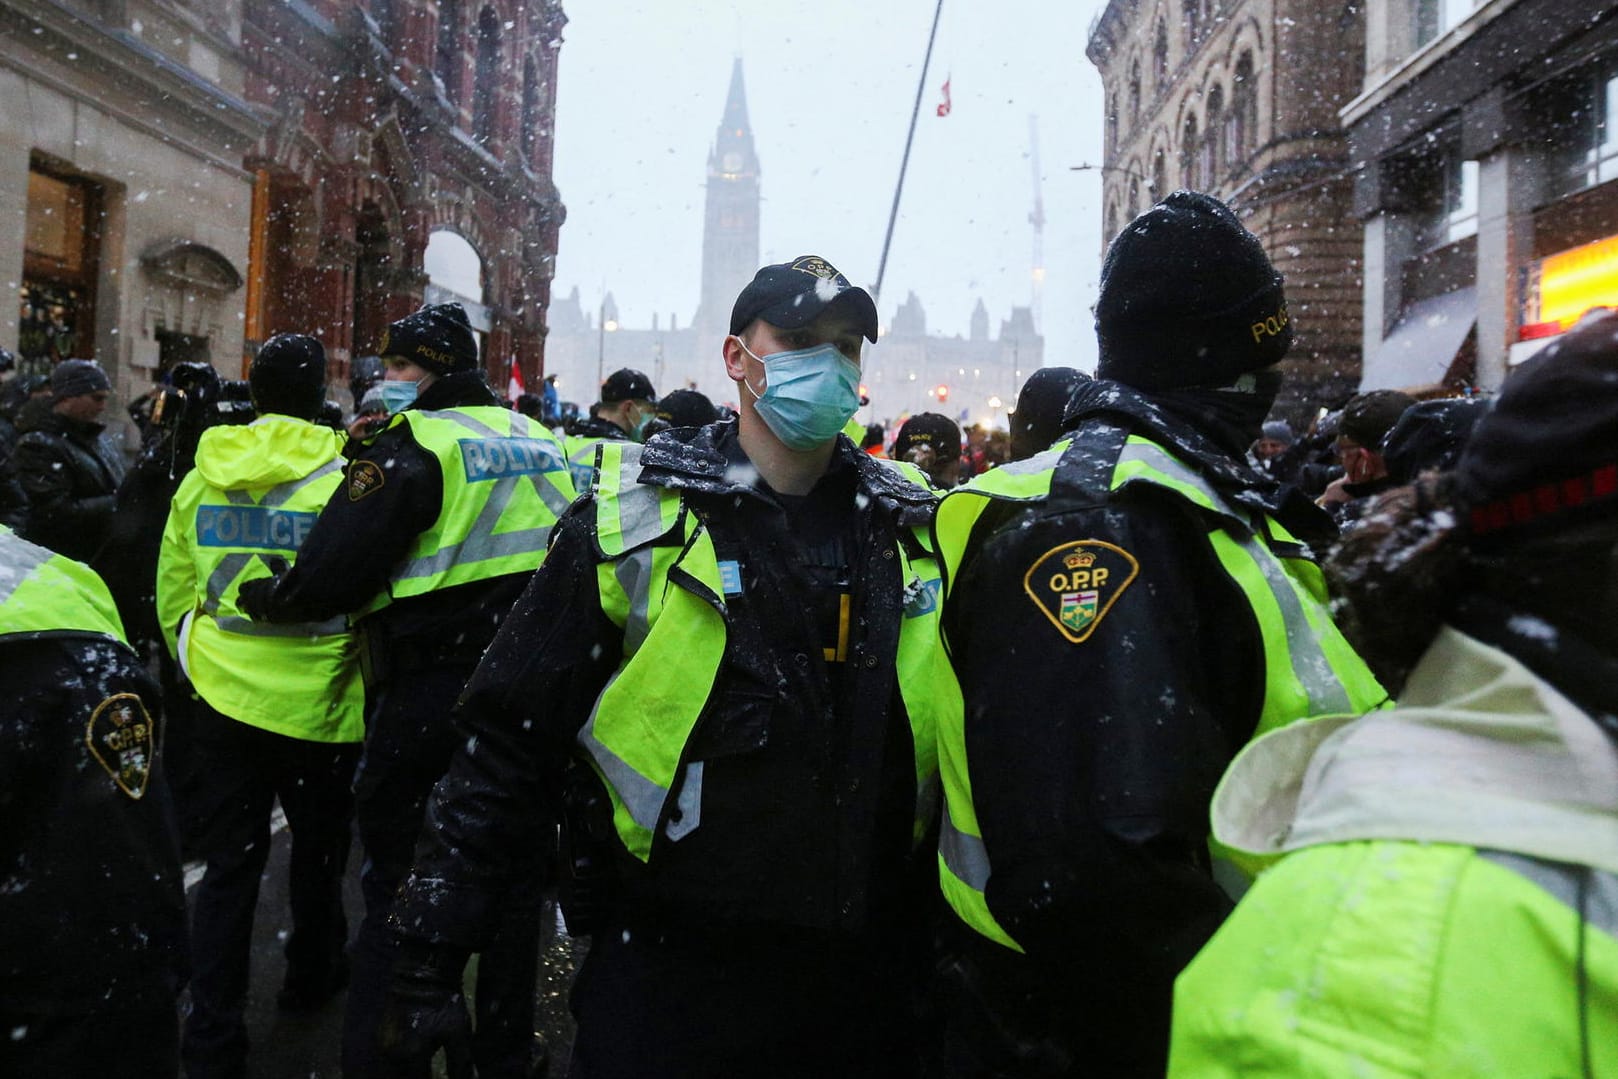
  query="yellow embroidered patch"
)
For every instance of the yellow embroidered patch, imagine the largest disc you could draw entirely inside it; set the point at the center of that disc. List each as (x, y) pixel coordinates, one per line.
(364, 478)
(1076, 584)
(122, 738)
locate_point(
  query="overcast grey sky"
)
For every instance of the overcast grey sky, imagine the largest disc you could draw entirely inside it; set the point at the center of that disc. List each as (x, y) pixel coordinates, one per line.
(830, 86)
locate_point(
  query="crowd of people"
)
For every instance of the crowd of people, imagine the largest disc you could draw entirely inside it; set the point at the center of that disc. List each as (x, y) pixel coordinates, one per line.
(1146, 737)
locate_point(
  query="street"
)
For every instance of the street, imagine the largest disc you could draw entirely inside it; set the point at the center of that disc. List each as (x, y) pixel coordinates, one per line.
(308, 1046)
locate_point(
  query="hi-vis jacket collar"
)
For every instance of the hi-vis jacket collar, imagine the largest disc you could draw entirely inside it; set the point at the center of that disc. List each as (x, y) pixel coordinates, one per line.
(710, 460)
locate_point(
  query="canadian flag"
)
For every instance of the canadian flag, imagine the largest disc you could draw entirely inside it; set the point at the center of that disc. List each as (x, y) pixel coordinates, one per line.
(943, 109)
(514, 386)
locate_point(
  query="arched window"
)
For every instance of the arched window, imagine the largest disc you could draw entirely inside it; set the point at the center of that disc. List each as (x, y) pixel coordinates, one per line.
(1112, 121)
(1160, 58)
(447, 54)
(1212, 159)
(530, 109)
(1160, 179)
(487, 75)
(1241, 120)
(1134, 197)
(1110, 222)
(1134, 89)
(1193, 18)
(1189, 145)
(454, 271)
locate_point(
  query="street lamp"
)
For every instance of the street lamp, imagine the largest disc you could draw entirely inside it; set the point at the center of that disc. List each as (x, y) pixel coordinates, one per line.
(604, 326)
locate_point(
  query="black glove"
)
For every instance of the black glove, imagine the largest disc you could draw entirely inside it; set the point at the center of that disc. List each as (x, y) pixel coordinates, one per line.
(425, 1009)
(253, 597)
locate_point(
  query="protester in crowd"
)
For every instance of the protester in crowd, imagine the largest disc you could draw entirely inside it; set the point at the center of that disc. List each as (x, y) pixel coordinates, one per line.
(874, 440)
(1446, 896)
(92, 908)
(1269, 452)
(1122, 615)
(1366, 421)
(1041, 403)
(1429, 435)
(751, 670)
(441, 521)
(69, 466)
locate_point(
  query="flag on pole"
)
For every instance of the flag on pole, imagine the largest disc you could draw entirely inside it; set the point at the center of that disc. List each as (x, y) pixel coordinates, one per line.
(514, 384)
(943, 109)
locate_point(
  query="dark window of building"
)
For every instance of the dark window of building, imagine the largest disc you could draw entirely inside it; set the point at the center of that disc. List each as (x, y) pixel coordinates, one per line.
(1189, 158)
(1212, 165)
(447, 56)
(1585, 150)
(1193, 18)
(1134, 197)
(487, 76)
(61, 249)
(1160, 58)
(1436, 17)
(1112, 122)
(530, 109)
(1241, 119)
(382, 15)
(1159, 175)
(1134, 89)
(1451, 208)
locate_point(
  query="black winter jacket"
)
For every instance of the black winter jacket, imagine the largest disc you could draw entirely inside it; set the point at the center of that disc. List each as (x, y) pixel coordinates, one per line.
(349, 554)
(92, 910)
(71, 473)
(808, 793)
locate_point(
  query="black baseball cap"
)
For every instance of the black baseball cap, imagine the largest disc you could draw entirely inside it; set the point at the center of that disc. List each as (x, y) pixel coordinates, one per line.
(793, 294)
(931, 429)
(626, 384)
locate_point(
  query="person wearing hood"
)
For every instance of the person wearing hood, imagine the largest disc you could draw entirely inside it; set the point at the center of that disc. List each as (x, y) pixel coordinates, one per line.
(1161, 607)
(68, 466)
(1442, 897)
(276, 716)
(439, 523)
(743, 701)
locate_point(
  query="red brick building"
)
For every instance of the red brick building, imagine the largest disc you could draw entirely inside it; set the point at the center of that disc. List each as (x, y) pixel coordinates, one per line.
(407, 158)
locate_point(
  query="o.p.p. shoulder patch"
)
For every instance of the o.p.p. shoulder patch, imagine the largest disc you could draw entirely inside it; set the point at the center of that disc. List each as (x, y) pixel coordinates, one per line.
(1076, 584)
(364, 478)
(122, 738)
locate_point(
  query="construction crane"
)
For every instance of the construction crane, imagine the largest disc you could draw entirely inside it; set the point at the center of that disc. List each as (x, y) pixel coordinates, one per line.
(1036, 218)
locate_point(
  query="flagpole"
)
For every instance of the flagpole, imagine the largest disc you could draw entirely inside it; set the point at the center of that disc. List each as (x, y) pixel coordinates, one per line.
(904, 162)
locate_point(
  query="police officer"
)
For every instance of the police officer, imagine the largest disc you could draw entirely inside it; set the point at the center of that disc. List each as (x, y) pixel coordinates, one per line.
(280, 708)
(435, 531)
(628, 404)
(92, 909)
(1124, 611)
(1446, 898)
(750, 670)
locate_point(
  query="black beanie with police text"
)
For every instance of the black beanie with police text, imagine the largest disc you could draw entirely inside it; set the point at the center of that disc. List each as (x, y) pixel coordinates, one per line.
(438, 337)
(1188, 298)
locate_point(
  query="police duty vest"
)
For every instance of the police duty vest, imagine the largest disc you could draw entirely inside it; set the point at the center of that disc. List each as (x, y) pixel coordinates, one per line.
(669, 601)
(505, 484)
(299, 679)
(581, 458)
(1310, 668)
(44, 594)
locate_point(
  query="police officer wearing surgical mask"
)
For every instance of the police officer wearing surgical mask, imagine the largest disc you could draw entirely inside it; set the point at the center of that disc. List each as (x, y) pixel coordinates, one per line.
(627, 407)
(744, 697)
(438, 524)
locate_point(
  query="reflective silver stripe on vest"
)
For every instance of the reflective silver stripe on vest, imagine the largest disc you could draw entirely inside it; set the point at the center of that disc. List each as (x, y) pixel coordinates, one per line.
(1156, 457)
(481, 544)
(634, 573)
(966, 855)
(640, 505)
(1326, 692)
(643, 798)
(22, 559)
(1561, 880)
(1309, 663)
(232, 565)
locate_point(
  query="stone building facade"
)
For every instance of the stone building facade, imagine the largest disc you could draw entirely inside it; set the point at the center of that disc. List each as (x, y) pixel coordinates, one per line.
(1240, 98)
(181, 179)
(1488, 134)
(123, 198)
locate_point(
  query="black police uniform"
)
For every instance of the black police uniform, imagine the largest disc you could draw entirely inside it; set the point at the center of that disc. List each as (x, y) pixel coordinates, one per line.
(92, 908)
(781, 936)
(420, 651)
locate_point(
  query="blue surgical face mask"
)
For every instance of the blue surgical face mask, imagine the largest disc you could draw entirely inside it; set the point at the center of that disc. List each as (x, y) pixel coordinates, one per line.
(638, 433)
(809, 395)
(398, 394)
